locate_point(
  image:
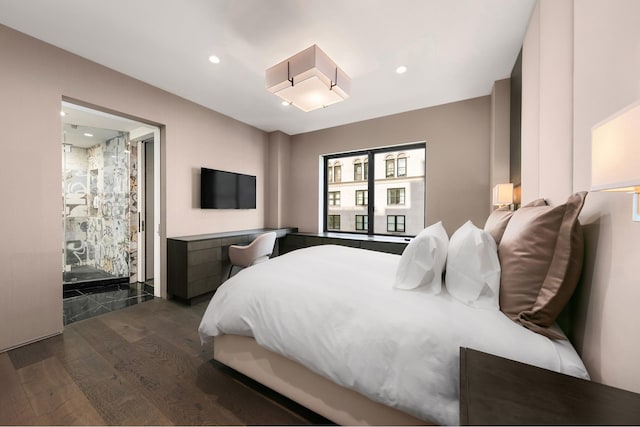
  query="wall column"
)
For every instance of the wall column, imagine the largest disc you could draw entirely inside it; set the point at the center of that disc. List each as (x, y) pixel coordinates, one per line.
(547, 103)
(277, 171)
(499, 162)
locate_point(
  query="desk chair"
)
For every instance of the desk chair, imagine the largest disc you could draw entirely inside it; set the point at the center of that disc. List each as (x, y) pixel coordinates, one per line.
(255, 252)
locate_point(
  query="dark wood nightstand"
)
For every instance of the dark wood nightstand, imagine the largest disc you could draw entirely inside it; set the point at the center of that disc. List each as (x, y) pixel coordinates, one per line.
(498, 391)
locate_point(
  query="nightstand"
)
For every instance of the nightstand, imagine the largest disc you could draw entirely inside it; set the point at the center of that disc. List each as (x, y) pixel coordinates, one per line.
(498, 391)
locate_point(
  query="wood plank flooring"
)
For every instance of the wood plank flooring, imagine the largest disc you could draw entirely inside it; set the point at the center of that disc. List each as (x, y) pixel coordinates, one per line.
(142, 365)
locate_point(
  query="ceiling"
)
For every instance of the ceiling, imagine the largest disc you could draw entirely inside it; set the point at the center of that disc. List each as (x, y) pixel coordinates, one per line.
(84, 127)
(453, 49)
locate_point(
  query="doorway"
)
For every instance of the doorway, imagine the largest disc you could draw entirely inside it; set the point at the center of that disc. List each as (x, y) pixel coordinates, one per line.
(108, 208)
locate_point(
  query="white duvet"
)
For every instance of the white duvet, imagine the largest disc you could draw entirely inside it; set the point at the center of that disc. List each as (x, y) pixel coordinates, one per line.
(333, 309)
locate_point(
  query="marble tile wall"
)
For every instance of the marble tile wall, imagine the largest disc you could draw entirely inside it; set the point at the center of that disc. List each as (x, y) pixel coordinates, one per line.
(100, 206)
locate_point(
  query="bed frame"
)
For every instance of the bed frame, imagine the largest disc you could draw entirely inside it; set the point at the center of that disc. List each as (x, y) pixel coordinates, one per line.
(336, 403)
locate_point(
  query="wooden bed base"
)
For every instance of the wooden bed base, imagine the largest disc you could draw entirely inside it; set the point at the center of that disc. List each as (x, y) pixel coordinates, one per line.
(289, 378)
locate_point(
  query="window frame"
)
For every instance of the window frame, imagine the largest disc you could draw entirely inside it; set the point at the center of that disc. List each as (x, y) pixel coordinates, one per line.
(358, 176)
(365, 221)
(402, 157)
(337, 173)
(334, 222)
(335, 199)
(401, 201)
(365, 197)
(390, 161)
(395, 223)
(370, 172)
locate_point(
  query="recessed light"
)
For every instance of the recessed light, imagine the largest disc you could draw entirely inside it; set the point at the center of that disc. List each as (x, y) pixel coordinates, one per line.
(62, 113)
(214, 59)
(401, 69)
(286, 103)
(90, 135)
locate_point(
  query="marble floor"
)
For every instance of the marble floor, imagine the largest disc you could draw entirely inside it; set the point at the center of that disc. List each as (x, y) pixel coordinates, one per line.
(89, 301)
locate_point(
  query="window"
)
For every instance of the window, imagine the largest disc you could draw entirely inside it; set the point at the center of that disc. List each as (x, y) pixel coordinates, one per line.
(362, 197)
(357, 171)
(333, 222)
(337, 173)
(395, 223)
(385, 194)
(334, 198)
(362, 222)
(402, 166)
(395, 196)
(391, 168)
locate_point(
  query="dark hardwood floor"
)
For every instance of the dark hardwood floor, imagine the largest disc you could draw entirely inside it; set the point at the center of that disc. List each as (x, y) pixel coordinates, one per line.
(142, 365)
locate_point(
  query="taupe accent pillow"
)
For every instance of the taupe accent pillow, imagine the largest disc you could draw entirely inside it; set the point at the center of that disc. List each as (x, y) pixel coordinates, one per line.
(499, 218)
(541, 254)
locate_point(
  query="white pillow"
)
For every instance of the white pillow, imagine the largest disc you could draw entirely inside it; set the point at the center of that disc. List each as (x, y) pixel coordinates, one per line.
(473, 268)
(423, 260)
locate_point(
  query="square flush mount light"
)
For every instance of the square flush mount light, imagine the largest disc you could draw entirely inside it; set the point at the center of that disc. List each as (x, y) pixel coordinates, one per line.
(309, 80)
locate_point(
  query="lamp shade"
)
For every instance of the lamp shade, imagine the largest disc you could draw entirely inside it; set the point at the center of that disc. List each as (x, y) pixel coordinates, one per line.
(309, 80)
(615, 152)
(503, 194)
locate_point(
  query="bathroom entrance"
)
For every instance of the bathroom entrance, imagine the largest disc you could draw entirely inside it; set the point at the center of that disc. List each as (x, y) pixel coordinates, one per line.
(105, 193)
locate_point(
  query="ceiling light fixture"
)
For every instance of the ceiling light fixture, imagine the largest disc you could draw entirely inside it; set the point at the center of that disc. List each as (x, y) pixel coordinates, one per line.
(309, 80)
(401, 69)
(88, 135)
(214, 59)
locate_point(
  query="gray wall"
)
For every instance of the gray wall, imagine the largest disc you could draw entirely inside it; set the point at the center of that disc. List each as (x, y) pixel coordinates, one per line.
(458, 151)
(34, 77)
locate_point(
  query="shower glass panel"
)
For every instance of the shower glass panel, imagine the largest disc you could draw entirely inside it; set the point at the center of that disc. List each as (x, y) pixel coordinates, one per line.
(96, 216)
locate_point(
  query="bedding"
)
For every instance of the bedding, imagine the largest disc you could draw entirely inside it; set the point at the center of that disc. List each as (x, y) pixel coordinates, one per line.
(541, 255)
(334, 310)
(423, 260)
(473, 267)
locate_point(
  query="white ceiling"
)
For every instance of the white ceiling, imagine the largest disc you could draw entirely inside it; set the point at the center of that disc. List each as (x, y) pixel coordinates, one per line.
(454, 49)
(77, 121)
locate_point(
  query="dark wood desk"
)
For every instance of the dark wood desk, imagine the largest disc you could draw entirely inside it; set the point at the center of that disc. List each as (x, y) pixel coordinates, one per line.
(197, 265)
(498, 391)
(388, 244)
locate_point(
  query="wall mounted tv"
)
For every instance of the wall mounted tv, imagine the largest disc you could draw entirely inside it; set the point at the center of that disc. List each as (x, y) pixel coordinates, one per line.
(226, 190)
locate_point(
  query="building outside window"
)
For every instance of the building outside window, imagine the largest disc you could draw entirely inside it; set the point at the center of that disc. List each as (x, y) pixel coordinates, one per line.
(402, 166)
(383, 193)
(395, 196)
(333, 222)
(362, 222)
(362, 197)
(395, 223)
(334, 198)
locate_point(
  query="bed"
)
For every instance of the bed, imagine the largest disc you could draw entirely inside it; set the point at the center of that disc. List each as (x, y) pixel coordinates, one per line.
(364, 337)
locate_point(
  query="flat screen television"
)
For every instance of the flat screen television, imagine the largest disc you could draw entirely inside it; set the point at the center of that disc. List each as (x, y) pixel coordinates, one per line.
(226, 190)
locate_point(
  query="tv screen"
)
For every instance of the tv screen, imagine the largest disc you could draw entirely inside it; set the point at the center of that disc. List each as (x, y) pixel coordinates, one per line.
(226, 190)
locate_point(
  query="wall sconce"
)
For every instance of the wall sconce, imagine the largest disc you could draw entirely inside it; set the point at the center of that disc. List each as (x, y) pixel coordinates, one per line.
(503, 195)
(615, 154)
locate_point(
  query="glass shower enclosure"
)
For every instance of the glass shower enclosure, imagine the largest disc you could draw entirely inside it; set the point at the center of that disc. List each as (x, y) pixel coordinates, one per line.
(96, 216)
